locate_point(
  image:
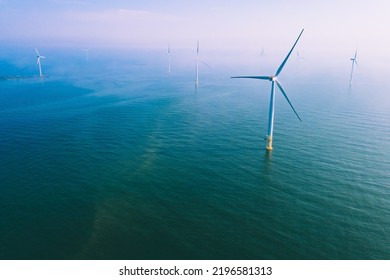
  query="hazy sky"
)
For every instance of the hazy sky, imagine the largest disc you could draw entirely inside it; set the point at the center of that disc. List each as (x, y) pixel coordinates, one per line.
(329, 25)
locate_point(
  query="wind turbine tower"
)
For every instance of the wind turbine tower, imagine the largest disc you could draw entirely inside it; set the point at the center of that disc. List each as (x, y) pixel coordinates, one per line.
(39, 62)
(86, 53)
(275, 82)
(298, 56)
(353, 64)
(197, 65)
(169, 59)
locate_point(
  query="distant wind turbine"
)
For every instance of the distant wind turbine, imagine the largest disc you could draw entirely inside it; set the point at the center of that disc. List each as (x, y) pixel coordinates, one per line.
(169, 59)
(262, 51)
(298, 56)
(39, 62)
(353, 63)
(86, 53)
(274, 80)
(197, 65)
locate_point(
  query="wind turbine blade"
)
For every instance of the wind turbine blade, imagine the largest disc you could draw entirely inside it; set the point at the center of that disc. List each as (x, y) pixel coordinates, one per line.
(37, 51)
(38, 59)
(253, 77)
(197, 47)
(288, 55)
(208, 66)
(355, 57)
(288, 100)
(42, 56)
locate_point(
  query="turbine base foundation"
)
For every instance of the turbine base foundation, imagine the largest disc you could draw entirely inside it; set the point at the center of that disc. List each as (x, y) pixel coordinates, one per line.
(269, 143)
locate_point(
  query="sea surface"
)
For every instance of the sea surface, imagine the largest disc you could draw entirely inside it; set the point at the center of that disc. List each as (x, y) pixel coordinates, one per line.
(115, 158)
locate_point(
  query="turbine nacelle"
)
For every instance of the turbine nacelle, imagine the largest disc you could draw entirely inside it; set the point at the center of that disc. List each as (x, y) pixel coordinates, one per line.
(273, 78)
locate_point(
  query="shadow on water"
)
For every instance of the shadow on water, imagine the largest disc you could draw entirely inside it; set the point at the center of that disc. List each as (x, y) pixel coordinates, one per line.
(267, 160)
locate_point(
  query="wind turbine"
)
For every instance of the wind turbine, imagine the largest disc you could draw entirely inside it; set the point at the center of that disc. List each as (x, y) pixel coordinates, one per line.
(169, 59)
(274, 81)
(39, 62)
(197, 65)
(86, 53)
(353, 63)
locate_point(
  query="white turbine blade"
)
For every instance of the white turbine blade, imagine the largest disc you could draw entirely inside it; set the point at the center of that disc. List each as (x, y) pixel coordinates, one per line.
(253, 77)
(288, 55)
(38, 59)
(37, 51)
(197, 47)
(169, 50)
(42, 56)
(288, 100)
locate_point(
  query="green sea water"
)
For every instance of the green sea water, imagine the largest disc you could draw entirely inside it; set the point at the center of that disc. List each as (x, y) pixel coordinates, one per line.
(124, 161)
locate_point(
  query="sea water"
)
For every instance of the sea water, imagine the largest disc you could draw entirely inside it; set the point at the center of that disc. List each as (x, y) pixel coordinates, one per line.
(114, 158)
